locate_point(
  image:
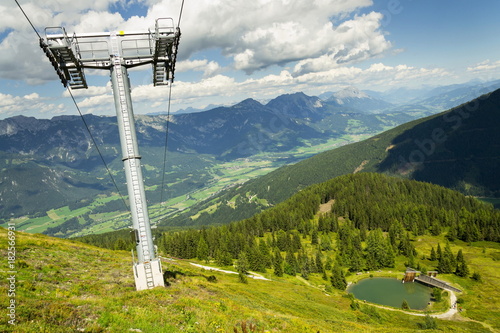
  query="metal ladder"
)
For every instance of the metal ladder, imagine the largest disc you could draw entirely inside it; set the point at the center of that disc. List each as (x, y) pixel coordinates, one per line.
(161, 69)
(132, 158)
(71, 67)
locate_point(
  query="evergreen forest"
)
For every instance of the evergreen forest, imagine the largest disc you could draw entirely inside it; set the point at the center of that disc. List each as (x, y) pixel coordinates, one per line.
(364, 221)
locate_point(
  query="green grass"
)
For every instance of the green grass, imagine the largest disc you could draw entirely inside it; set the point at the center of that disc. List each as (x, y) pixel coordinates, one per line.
(66, 286)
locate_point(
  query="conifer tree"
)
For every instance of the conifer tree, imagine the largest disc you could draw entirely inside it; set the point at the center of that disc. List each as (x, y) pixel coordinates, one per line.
(223, 257)
(462, 269)
(433, 254)
(319, 262)
(389, 260)
(278, 263)
(305, 268)
(328, 263)
(202, 250)
(290, 266)
(265, 253)
(242, 267)
(446, 263)
(452, 232)
(338, 279)
(314, 237)
(411, 260)
(326, 243)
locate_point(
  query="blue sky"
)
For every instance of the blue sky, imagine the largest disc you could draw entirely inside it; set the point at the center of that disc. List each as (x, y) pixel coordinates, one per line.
(235, 49)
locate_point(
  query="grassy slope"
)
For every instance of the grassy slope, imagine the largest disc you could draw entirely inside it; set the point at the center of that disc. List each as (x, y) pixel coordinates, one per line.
(65, 286)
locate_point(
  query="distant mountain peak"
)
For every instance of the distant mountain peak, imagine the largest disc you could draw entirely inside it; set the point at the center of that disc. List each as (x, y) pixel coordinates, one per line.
(350, 92)
(249, 102)
(354, 98)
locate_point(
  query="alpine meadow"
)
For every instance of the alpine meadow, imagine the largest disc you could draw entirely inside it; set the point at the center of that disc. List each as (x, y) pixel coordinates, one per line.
(249, 167)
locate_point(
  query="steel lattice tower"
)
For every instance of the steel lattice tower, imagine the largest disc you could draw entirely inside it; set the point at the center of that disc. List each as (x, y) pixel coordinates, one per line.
(116, 52)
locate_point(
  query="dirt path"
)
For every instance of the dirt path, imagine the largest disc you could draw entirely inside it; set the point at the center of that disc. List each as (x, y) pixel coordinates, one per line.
(445, 315)
(326, 207)
(361, 166)
(451, 314)
(250, 275)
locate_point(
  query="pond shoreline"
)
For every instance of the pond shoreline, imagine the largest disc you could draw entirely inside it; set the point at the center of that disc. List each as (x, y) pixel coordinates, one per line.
(392, 292)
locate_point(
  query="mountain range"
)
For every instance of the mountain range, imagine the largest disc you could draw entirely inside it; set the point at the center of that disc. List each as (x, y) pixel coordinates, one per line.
(48, 164)
(52, 163)
(458, 149)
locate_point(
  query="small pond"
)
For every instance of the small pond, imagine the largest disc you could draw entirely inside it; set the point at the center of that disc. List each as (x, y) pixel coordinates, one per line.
(391, 292)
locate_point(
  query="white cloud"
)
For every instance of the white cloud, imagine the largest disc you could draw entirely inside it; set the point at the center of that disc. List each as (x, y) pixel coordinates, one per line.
(209, 68)
(352, 41)
(319, 44)
(220, 87)
(90, 91)
(254, 34)
(11, 105)
(261, 33)
(484, 66)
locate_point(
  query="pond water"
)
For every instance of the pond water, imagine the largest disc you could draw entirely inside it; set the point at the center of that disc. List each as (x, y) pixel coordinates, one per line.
(392, 292)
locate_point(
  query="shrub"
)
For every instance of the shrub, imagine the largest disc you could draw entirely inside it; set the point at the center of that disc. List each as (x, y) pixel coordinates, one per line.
(429, 323)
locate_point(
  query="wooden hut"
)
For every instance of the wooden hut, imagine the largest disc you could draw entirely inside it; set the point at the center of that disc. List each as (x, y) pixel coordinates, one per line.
(410, 275)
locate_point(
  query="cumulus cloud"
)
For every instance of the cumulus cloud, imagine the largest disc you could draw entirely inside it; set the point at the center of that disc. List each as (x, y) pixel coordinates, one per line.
(318, 43)
(258, 34)
(484, 66)
(209, 68)
(11, 105)
(90, 91)
(352, 41)
(377, 76)
(253, 34)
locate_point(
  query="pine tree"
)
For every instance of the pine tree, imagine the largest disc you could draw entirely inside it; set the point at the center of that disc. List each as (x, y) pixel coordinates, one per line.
(460, 256)
(357, 262)
(319, 262)
(305, 268)
(265, 253)
(452, 232)
(202, 250)
(433, 254)
(446, 263)
(223, 258)
(278, 263)
(328, 263)
(462, 269)
(376, 250)
(338, 279)
(242, 267)
(326, 243)
(405, 305)
(314, 237)
(290, 266)
(411, 260)
(389, 260)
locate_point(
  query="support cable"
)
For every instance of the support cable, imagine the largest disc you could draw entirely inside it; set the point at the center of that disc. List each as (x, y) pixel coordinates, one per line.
(168, 123)
(81, 115)
(180, 14)
(166, 145)
(97, 148)
(21, 8)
